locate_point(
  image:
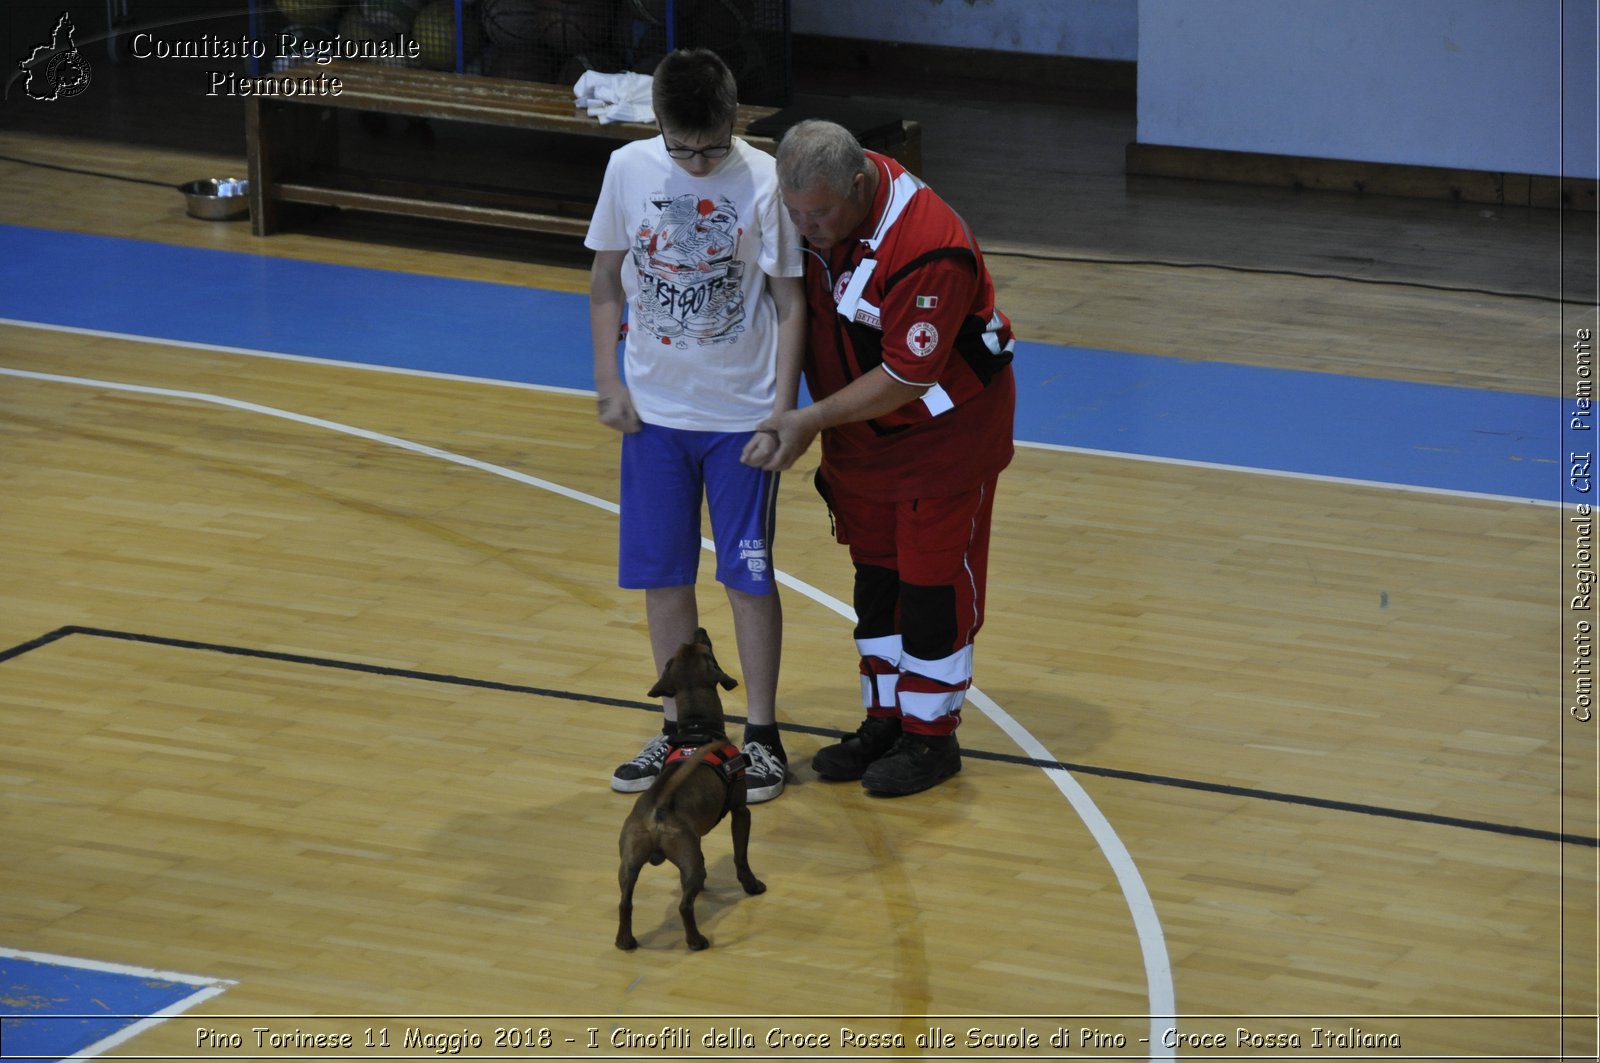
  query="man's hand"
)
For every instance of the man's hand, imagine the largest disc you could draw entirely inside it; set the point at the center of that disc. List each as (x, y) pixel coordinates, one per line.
(779, 441)
(782, 438)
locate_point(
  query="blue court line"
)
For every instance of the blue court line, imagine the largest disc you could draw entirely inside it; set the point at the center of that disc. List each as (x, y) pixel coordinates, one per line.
(55, 1008)
(1290, 421)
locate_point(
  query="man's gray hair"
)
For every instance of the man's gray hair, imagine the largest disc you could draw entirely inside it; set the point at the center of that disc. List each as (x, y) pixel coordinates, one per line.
(814, 150)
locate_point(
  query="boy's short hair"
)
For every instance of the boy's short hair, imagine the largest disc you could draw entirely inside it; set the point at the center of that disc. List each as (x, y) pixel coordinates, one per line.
(694, 93)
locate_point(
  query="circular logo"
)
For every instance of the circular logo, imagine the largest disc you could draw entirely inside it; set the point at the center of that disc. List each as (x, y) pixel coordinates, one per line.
(923, 339)
(67, 75)
(841, 284)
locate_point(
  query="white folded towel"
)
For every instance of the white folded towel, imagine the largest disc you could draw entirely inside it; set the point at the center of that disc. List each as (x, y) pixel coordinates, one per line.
(621, 97)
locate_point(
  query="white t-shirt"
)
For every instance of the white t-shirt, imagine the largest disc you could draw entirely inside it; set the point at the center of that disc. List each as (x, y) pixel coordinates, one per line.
(701, 352)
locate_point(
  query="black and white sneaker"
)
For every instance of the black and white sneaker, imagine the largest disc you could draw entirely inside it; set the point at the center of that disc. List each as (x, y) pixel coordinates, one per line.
(637, 774)
(765, 775)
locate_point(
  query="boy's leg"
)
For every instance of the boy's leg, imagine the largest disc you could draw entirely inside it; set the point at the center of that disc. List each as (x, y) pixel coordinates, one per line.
(672, 614)
(758, 631)
(742, 502)
(658, 552)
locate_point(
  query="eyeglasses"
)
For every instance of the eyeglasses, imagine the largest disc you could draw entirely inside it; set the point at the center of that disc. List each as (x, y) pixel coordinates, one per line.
(720, 151)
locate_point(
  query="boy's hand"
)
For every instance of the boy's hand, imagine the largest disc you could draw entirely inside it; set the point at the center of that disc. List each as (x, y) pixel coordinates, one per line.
(761, 448)
(616, 411)
(778, 442)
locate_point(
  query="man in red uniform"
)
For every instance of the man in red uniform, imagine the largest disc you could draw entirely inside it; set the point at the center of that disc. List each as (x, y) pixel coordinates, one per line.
(909, 367)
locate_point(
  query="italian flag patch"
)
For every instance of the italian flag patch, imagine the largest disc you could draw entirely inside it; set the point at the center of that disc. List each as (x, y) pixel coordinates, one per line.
(927, 302)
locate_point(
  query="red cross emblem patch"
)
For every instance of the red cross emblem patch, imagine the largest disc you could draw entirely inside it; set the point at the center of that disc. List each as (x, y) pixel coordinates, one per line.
(923, 339)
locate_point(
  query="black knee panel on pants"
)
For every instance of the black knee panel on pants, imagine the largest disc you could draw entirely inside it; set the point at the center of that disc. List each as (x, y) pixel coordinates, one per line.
(877, 598)
(927, 621)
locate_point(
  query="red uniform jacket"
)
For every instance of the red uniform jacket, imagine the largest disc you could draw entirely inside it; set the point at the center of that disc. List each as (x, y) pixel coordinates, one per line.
(908, 291)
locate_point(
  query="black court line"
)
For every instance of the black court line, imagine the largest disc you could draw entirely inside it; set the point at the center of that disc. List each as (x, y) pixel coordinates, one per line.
(976, 754)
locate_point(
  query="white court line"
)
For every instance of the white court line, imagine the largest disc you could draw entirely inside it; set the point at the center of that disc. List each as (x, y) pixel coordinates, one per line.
(1153, 459)
(249, 352)
(1286, 474)
(205, 989)
(317, 422)
(1152, 942)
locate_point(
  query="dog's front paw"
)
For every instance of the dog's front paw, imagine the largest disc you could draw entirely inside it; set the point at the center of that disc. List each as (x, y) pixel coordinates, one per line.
(698, 942)
(752, 885)
(627, 943)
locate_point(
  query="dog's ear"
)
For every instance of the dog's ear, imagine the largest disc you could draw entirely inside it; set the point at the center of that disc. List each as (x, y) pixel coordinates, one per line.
(714, 667)
(667, 685)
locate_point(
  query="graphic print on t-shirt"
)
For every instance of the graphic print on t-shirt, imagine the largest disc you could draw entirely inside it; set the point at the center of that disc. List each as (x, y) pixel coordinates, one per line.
(690, 278)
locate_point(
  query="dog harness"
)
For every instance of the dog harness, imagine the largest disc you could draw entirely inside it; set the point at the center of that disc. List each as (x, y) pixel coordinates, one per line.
(727, 758)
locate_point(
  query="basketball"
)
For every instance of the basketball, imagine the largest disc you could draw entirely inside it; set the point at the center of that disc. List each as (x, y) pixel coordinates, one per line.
(510, 23)
(569, 26)
(354, 27)
(311, 12)
(435, 33)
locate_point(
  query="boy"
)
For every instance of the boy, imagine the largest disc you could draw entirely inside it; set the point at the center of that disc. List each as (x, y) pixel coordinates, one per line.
(690, 234)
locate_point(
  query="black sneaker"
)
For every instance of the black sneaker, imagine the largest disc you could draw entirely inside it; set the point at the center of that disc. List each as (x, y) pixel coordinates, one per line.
(765, 775)
(846, 761)
(637, 774)
(916, 763)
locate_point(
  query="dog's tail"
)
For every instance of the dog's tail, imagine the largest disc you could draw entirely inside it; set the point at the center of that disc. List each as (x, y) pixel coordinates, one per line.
(669, 782)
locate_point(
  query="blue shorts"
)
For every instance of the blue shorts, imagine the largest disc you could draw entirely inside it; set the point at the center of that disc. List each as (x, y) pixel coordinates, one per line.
(665, 474)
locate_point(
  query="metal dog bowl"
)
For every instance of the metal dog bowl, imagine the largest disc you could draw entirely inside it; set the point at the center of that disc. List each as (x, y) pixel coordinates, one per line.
(218, 198)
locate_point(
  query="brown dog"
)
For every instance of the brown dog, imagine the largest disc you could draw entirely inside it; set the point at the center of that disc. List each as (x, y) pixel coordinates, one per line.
(691, 795)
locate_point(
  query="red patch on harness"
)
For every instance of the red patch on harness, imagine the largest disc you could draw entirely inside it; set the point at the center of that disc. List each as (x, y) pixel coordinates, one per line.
(727, 758)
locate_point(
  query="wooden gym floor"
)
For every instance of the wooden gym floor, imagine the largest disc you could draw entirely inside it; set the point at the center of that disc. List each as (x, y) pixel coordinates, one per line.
(318, 672)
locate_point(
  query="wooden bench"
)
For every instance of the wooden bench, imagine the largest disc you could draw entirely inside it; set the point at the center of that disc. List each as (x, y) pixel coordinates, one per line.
(294, 155)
